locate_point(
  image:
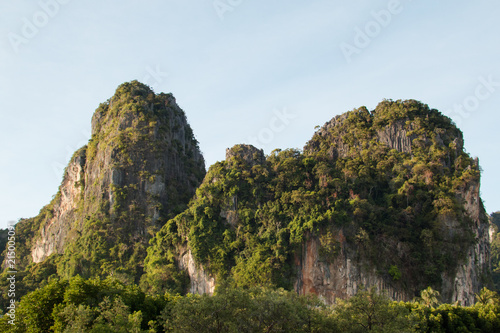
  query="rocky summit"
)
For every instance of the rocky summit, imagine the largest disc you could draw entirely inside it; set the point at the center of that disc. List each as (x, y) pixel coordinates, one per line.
(139, 169)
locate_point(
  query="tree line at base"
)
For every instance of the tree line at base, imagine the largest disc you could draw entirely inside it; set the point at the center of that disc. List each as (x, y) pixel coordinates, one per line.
(95, 305)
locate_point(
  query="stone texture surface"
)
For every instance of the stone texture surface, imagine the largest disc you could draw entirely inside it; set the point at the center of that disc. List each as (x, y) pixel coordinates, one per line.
(90, 184)
(140, 167)
(397, 136)
(247, 153)
(343, 277)
(340, 278)
(200, 281)
(53, 234)
(468, 279)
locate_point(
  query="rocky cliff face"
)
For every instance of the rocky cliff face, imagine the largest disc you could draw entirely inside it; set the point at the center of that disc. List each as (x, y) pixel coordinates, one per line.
(200, 281)
(470, 275)
(343, 276)
(397, 136)
(140, 168)
(386, 198)
(53, 233)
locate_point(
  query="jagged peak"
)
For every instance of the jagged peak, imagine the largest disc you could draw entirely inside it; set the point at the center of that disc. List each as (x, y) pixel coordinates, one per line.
(394, 123)
(135, 100)
(140, 168)
(247, 153)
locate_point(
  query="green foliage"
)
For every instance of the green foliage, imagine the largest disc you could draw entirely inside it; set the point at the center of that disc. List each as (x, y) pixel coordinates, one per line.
(330, 246)
(487, 297)
(429, 297)
(249, 221)
(455, 318)
(79, 305)
(255, 310)
(395, 273)
(34, 312)
(370, 311)
(4, 235)
(33, 277)
(495, 218)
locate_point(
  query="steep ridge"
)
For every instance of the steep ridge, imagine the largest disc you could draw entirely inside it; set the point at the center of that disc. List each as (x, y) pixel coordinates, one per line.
(139, 169)
(386, 198)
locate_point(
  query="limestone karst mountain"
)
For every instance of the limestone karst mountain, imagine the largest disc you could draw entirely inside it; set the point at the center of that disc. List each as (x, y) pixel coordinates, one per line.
(386, 198)
(139, 169)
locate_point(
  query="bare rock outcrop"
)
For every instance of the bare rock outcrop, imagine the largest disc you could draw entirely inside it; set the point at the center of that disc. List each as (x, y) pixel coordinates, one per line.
(247, 153)
(200, 281)
(397, 136)
(338, 278)
(54, 232)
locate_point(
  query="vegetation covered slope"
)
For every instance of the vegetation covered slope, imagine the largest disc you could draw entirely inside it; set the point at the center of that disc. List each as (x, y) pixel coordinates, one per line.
(387, 186)
(139, 169)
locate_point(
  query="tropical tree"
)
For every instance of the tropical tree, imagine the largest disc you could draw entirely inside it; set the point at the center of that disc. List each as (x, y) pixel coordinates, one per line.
(369, 311)
(429, 297)
(487, 296)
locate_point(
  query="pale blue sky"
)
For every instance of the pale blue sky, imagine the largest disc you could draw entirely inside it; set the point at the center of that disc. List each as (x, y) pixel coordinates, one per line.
(260, 72)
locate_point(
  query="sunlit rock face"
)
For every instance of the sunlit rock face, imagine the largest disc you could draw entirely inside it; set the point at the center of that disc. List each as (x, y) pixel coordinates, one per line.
(140, 168)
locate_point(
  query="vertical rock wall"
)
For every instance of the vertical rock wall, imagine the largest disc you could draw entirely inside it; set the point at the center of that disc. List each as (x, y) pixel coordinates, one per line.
(54, 232)
(340, 278)
(141, 167)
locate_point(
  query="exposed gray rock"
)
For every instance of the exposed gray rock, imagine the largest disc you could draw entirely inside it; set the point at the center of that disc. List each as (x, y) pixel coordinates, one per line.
(397, 136)
(340, 278)
(54, 232)
(247, 153)
(200, 281)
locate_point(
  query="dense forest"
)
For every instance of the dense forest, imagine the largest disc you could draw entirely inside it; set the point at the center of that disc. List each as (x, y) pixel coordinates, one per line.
(94, 305)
